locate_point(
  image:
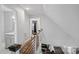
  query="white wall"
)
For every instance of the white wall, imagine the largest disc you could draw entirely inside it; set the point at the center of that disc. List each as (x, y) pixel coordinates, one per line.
(2, 43)
(54, 35)
(61, 24)
(27, 24)
(22, 29)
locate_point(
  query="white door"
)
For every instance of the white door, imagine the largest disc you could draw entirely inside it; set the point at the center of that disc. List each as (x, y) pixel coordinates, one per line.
(9, 28)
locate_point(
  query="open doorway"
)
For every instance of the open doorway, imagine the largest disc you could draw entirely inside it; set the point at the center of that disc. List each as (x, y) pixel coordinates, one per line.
(34, 25)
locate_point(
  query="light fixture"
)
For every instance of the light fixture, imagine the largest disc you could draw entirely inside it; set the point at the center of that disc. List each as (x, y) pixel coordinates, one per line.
(27, 9)
(13, 17)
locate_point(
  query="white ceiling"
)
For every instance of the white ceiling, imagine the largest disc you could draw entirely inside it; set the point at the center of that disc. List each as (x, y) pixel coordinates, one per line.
(34, 9)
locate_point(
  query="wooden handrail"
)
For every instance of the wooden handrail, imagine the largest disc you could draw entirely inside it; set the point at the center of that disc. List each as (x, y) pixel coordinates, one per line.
(28, 47)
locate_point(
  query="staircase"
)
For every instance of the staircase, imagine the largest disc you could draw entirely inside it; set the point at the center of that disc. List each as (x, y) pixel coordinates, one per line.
(31, 46)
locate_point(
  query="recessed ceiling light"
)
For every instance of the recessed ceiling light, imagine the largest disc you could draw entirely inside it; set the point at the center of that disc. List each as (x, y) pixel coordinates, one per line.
(27, 9)
(13, 17)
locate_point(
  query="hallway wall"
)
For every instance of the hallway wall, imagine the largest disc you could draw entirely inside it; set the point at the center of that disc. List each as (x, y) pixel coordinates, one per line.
(22, 32)
(61, 24)
(53, 34)
(2, 42)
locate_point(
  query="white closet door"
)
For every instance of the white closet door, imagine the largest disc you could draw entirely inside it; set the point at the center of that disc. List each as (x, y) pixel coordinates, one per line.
(9, 28)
